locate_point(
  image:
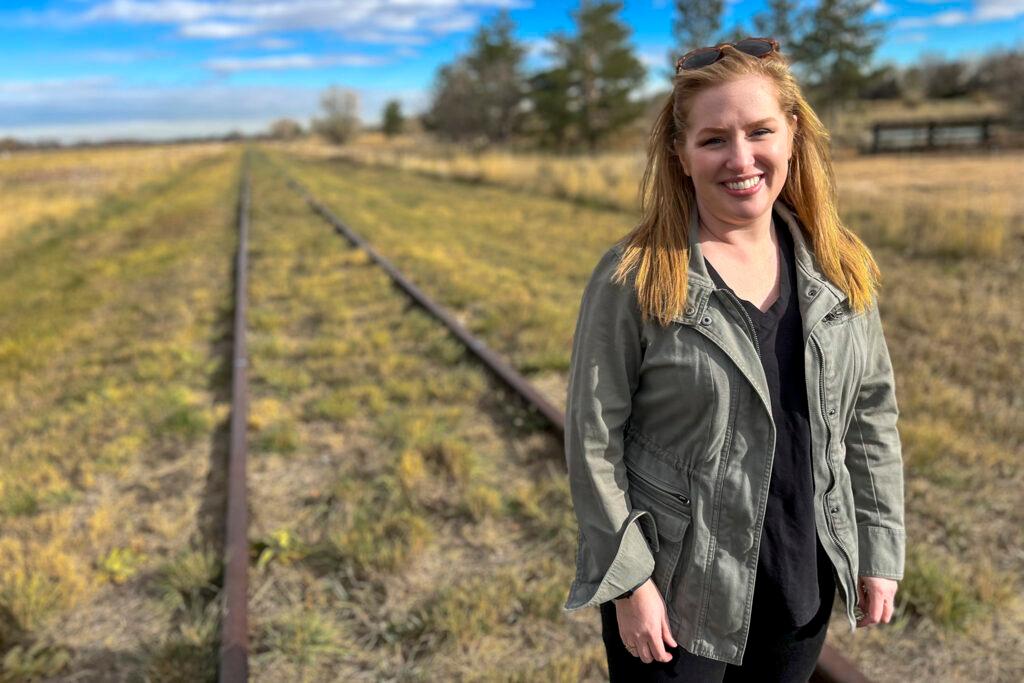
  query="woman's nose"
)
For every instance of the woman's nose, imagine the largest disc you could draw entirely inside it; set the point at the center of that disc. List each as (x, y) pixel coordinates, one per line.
(741, 156)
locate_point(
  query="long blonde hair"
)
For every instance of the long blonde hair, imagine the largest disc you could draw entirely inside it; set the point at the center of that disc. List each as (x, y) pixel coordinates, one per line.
(658, 247)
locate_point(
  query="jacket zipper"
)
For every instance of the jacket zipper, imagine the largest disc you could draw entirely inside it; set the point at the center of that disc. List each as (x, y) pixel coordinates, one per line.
(676, 495)
(746, 316)
(828, 439)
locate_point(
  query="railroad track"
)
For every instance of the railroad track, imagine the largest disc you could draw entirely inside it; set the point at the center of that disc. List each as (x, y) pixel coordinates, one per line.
(832, 666)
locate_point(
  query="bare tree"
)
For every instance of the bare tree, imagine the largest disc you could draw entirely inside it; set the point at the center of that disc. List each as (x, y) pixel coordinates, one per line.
(285, 129)
(340, 121)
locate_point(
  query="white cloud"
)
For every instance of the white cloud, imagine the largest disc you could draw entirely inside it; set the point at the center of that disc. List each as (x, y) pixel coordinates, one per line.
(982, 11)
(916, 37)
(453, 24)
(101, 107)
(882, 8)
(26, 91)
(295, 61)
(951, 17)
(995, 10)
(377, 19)
(138, 11)
(276, 43)
(216, 29)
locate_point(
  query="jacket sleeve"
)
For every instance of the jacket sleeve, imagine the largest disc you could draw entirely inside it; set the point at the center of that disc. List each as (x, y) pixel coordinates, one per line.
(613, 554)
(874, 461)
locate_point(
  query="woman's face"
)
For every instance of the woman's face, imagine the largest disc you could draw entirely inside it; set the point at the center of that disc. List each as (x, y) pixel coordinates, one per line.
(737, 132)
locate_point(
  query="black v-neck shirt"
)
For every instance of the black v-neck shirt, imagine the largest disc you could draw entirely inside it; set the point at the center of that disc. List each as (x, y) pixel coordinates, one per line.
(793, 572)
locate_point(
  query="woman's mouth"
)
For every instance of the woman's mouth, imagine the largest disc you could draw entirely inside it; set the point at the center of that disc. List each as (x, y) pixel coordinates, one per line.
(744, 187)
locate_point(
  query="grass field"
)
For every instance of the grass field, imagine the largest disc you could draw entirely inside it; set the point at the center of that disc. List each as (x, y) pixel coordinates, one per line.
(111, 411)
(408, 521)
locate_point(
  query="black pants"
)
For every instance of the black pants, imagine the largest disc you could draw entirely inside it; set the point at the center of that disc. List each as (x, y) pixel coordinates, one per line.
(772, 655)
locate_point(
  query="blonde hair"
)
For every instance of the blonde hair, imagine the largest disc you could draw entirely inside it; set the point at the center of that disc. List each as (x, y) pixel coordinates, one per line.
(658, 247)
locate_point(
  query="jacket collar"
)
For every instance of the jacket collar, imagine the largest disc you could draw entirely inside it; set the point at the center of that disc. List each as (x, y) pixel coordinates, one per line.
(817, 294)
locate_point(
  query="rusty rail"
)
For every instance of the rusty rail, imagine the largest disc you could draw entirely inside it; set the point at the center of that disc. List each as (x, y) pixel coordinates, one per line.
(832, 667)
(234, 643)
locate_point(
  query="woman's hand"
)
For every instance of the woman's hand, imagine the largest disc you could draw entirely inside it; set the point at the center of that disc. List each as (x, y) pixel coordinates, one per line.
(643, 624)
(877, 599)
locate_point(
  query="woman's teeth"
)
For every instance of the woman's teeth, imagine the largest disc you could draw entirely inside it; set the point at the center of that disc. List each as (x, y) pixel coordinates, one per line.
(744, 185)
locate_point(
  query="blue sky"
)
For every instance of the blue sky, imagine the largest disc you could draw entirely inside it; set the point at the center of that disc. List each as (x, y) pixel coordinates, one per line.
(94, 69)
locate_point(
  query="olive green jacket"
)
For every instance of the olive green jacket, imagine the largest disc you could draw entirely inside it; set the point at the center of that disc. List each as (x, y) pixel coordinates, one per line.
(671, 427)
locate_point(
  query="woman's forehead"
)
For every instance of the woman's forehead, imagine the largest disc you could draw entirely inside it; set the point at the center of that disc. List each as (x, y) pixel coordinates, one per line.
(735, 104)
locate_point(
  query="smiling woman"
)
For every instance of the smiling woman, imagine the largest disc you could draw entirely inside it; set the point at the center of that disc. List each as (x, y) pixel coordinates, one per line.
(731, 393)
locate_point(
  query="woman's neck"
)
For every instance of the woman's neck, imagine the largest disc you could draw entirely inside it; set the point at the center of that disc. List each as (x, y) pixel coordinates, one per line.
(744, 243)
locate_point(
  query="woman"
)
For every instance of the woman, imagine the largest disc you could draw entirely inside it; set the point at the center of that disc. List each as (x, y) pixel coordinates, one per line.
(731, 392)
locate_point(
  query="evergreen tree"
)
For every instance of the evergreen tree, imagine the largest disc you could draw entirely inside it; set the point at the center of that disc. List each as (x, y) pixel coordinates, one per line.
(482, 94)
(587, 95)
(496, 63)
(780, 22)
(835, 52)
(392, 120)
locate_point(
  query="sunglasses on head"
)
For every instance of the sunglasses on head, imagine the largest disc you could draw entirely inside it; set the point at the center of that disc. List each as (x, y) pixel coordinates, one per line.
(702, 56)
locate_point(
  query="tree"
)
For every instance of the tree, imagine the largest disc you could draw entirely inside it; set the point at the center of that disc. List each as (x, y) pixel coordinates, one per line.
(392, 120)
(883, 83)
(550, 99)
(942, 78)
(451, 114)
(496, 62)
(482, 94)
(599, 73)
(696, 24)
(780, 22)
(285, 129)
(999, 74)
(835, 52)
(340, 121)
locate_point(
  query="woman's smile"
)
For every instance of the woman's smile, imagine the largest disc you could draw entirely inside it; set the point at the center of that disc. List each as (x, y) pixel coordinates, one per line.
(744, 188)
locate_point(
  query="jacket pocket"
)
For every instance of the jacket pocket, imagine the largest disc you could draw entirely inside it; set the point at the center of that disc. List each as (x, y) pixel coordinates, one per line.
(670, 507)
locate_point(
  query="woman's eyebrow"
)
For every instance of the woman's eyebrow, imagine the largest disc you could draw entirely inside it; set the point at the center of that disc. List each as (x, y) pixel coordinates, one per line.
(759, 122)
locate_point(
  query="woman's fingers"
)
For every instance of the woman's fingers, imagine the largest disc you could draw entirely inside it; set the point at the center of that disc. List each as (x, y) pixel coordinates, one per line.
(666, 634)
(657, 648)
(887, 612)
(645, 652)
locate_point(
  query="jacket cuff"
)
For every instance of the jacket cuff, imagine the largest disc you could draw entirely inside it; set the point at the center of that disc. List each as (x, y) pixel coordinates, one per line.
(632, 565)
(881, 551)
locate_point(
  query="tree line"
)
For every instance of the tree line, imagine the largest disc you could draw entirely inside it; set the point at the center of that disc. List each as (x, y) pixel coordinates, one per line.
(591, 90)
(591, 87)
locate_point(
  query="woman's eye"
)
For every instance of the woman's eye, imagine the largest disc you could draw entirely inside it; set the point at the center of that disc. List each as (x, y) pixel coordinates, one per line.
(759, 131)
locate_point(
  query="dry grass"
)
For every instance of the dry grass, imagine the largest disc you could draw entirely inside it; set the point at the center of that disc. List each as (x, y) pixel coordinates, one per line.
(50, 186)
(109, 374)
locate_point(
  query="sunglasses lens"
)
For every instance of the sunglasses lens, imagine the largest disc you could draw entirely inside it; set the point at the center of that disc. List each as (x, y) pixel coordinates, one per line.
(696, 61)
(754, 47)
